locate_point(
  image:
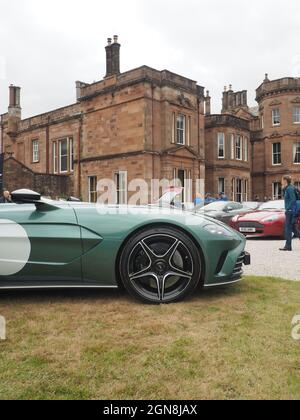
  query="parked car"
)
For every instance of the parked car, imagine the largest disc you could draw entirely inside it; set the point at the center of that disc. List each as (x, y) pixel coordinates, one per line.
(252, 205)
(268, 220)
(158, 255)
(223, 210)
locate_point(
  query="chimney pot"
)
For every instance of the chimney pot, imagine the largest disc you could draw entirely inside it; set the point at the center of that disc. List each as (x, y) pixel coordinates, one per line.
(116, 38)
(109, 40)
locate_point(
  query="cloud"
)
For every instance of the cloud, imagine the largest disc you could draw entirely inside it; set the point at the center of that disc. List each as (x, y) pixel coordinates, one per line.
(47, 45)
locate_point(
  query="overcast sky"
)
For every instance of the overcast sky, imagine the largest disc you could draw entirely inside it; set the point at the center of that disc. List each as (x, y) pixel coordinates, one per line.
(46, 45)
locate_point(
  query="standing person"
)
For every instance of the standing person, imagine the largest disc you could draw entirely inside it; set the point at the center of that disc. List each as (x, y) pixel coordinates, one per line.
(296, 220)
(6, 198)
(290, 200)
(198, 200)
(209, 199)
(222, 197)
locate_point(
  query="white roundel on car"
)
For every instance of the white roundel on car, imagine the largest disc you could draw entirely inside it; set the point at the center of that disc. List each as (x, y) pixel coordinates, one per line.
(15, 248)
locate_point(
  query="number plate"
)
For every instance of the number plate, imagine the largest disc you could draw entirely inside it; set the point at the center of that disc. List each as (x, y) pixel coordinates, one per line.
(247, 230)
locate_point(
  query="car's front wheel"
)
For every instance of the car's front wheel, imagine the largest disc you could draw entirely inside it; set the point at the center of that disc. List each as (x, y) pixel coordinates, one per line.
(160, 265)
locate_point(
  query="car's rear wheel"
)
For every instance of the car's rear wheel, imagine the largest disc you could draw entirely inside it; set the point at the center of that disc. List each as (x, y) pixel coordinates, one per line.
(160, 265)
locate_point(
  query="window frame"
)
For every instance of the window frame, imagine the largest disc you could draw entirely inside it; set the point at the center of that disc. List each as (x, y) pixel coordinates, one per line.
(93, 193)
(60, 156)
(57, 155)
(238, 191)
(296, 153)
(246, 149)
(35, 151)
(119, 190)
(296, 115)
(276, 124)
(221, 180)
(221, 139)
(239, 139)
(232, 140)
(278, 153)
(181, 130)
(279, 195)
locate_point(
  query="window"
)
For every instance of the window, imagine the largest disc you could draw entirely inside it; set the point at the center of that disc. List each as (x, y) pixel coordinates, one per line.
(238, 148)
(63, 155)
(277, 190)
(262, 122)
(71, 154)
(246, 189)
(55, 158)
(297, 115)
(221, 145)
(35, 151)
(276, 117)
(297, 153)
(181, 123)
(221, 185)
(239, 190)
(93, 189)
(121, 186)
(189, 131)
(246, 149)
(173, 127)
(276, 153)
(297, 185)
(232, 146)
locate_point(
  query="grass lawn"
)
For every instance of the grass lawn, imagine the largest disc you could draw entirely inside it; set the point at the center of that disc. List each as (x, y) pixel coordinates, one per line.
(228, 343)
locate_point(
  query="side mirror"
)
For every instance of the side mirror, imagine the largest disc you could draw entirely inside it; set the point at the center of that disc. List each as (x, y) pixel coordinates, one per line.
(31, 197)
(25, 196)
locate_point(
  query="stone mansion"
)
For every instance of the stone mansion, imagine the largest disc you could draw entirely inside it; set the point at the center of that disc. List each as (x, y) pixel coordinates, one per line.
(149, 124)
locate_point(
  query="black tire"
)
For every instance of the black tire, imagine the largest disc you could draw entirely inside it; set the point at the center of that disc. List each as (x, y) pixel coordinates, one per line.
(160, 265)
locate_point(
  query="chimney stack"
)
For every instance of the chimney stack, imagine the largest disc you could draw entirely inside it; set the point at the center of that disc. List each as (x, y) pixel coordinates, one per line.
(14, 109)
(207, 103)
(113, 57)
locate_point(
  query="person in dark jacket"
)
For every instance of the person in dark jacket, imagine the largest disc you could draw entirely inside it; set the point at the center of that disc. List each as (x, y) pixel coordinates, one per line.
(6, 198)
(290, 199)
(296, 219)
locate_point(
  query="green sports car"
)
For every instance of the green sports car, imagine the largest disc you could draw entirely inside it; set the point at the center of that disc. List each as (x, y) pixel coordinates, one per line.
(158, 254)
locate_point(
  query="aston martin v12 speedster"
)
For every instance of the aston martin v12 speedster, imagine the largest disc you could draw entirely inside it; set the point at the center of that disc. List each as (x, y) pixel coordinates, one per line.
(159, 255)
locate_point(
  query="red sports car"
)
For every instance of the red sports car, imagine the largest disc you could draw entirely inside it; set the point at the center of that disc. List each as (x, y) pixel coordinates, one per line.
(268, 220)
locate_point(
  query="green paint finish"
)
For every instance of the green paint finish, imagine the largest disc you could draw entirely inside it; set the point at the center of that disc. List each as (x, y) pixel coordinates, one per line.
(80, 243)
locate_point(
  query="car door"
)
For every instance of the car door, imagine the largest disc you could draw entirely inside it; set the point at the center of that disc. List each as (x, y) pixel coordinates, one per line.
(39, 246)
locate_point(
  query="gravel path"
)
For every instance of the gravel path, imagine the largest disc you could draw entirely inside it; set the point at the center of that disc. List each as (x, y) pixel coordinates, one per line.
(267, 260)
